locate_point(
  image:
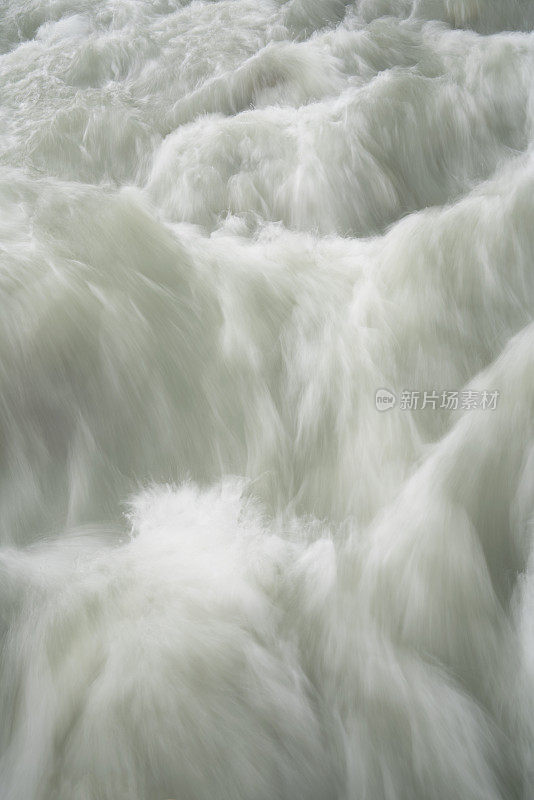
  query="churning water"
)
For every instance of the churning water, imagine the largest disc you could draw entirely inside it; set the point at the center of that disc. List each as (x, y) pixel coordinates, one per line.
(229, 569)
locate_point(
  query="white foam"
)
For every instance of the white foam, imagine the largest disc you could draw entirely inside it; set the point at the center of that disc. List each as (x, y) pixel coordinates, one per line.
(224, 573)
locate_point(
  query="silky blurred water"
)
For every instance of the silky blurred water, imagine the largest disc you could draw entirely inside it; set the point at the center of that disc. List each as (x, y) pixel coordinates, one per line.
(224, 573)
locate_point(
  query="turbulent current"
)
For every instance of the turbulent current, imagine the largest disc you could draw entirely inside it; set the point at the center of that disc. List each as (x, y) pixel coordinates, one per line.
(266, 400)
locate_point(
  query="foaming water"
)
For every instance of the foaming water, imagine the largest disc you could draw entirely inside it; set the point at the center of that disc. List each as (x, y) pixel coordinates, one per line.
(224, 573)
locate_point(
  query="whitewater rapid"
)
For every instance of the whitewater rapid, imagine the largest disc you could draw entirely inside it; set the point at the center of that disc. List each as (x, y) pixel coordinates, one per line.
(227, 229)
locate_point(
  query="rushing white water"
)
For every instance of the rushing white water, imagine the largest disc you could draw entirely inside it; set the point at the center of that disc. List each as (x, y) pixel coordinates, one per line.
(224, 574)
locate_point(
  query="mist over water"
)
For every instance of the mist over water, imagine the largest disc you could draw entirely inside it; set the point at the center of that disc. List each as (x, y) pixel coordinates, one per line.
(224, 226)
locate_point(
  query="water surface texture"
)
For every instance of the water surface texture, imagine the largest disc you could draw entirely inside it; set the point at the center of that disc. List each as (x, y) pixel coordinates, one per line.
(227, 571)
